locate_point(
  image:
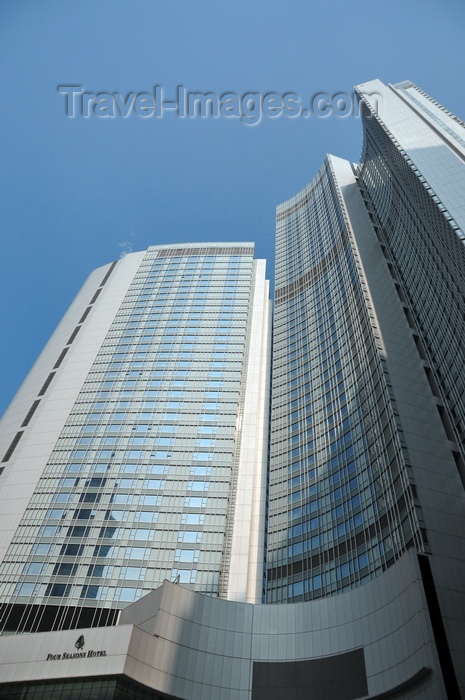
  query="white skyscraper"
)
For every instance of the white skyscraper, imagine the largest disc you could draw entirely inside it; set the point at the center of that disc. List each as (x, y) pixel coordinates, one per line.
(136, 450)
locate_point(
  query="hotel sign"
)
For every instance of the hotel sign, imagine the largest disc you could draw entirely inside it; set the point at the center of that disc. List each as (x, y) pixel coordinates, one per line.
(79, 654)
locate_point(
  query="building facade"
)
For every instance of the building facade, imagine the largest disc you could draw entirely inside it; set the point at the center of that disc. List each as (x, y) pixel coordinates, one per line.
(341, 506)
(412, 177)
(136, 451)
(352, 532)
(368, 381)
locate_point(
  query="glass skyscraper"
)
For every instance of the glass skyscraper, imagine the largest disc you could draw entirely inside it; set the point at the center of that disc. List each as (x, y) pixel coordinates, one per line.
(164, 428)
(341, 507)
(412, 176)
(155, 444)
(368, 389)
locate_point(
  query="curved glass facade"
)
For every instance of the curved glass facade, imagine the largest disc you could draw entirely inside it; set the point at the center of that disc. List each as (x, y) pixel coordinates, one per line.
(341, 507)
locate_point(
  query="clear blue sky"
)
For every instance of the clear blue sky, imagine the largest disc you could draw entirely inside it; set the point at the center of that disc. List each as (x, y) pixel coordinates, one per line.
(76, 193)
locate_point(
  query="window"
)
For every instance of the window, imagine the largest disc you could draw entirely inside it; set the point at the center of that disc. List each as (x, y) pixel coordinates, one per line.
(34, 568)
(195, 502)
(191, 536)
(49, 530)
(78, 531)
(84, 514)
(192, 518)
(90, 497)
(116, 515)
(162, 454)
(142, 534)
(204, 442)
(95, 482)
(198, 485)
(202, 456)
(209, 417)
(94, 592)
(69, 481)
(133, 573)
(71, 550)
(122, 499)
(187, 555)
(41, 549)
(200, 471)
(128, 595)
(137, 553)
(185, 575)
(146, 516)
(65, 569)
(129, 468)
(105, 550)
(154, 484)
(150, 500)
(126, 483)
(60, 590)
(26, 589)
(99, 570)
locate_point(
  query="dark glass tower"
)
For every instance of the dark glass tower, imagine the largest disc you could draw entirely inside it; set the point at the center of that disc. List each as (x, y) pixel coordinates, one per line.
(341, 503)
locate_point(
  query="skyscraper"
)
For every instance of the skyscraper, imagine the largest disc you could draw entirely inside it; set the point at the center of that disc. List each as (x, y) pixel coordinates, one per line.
(136, 450)
(368, 382)
(412, 176)
(357, 527)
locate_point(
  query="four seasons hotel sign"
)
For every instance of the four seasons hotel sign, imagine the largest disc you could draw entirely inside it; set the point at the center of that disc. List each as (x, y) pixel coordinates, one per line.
(79, 654)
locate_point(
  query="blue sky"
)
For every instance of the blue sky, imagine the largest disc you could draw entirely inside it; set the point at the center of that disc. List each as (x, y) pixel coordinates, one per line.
(76, 193)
